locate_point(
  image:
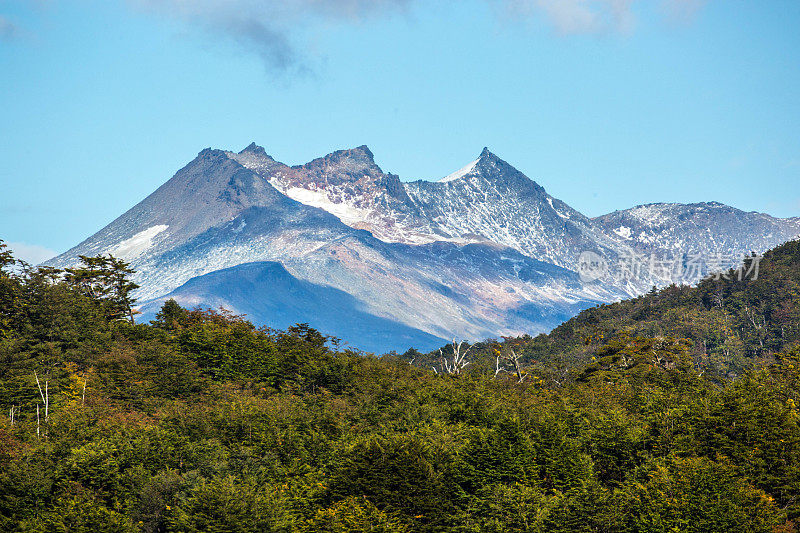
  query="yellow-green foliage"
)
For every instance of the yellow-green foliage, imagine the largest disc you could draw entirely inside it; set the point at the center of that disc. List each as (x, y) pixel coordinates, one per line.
(202, 422)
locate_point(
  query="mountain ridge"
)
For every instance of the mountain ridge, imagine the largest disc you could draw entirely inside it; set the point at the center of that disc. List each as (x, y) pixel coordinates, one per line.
(489, 252)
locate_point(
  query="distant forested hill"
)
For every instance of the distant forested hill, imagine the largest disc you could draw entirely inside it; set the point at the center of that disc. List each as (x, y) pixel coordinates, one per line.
(731, 322)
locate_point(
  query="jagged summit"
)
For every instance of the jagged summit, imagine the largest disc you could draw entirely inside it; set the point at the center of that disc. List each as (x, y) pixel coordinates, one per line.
(351, 160)
(363, 149)
(491, 171)
(486, 158)
(208, 152)
(253, 148)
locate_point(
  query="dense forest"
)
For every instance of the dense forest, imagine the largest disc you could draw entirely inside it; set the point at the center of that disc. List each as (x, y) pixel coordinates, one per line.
(676, 411)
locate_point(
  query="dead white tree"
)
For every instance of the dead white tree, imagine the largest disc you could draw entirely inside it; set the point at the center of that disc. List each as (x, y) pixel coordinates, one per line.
(45, 396)
(458, 362)
(512, 358)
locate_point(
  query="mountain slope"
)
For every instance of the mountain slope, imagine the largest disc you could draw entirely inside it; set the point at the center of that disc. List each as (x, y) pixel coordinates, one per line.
(705, 228)
(210, 190)
(442, 288)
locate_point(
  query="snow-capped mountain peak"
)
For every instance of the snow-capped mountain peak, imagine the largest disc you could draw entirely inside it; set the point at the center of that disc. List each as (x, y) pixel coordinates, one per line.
(705, 228)
(487, 165)
(485, 157)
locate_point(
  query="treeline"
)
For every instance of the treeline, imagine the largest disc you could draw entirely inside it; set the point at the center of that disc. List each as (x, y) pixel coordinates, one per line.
(200, 421)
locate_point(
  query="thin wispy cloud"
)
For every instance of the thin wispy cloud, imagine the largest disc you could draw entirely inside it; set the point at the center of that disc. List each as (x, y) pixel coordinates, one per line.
(8, 30)
(572, 17)
(683, 10)
(269, 28)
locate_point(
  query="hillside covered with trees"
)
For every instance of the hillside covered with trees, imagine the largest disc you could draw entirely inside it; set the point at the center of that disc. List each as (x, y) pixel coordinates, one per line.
(676, 411)
(731, 321)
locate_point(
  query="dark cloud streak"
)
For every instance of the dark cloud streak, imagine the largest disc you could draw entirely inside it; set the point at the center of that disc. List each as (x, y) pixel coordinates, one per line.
(266, 26)
(270, 44)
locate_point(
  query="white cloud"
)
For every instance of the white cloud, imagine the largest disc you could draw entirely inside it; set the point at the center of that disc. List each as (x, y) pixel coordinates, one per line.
(31, 253)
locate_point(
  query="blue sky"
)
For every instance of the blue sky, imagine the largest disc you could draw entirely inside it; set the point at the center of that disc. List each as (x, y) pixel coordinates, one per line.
(605, 103)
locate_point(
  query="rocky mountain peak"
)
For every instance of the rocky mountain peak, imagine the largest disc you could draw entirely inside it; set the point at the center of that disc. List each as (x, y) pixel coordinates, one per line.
(354, 161)
(362, 151)
(489, 169)
(254, 149)
(208, 153)
(488, 161)
(255, 158)
(487, 154)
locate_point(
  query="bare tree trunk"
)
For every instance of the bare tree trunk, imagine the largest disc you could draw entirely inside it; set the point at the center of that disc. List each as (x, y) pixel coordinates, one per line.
(45, 396)
(46, 399)
(514, 360)
(459, 363)
(517, 369)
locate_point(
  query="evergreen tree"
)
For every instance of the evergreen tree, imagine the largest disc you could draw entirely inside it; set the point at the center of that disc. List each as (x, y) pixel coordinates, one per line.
(105, 279)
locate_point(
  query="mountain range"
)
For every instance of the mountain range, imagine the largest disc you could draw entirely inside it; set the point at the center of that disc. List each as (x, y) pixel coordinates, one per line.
(385, 264)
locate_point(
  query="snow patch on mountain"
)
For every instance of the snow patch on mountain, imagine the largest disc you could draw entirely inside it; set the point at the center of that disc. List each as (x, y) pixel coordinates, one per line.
(624, 232)
(460, 173)
(138, 244)
(559, 213)
(347, 213)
